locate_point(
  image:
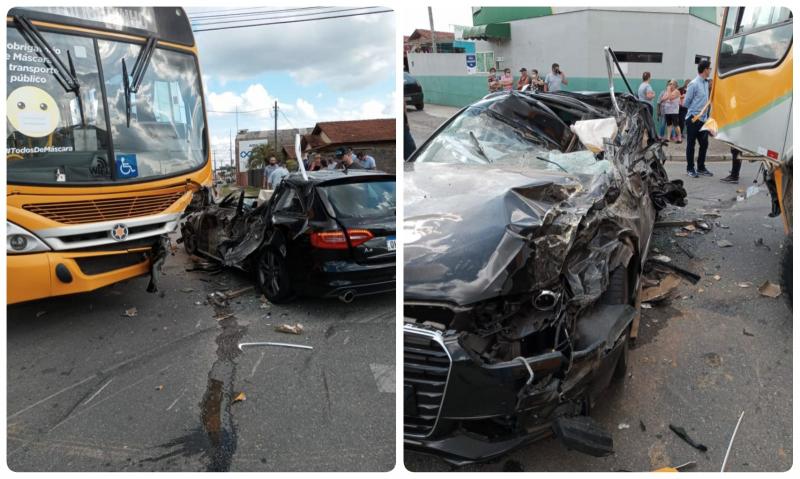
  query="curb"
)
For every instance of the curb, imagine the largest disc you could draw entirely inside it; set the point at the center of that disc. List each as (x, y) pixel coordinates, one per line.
(709, 158)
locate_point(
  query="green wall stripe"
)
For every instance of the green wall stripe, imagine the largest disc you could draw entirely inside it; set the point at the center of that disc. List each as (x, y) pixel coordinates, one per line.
(488, 15)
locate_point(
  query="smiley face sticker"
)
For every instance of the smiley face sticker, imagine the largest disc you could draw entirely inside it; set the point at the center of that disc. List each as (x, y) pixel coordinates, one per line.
(32, 111)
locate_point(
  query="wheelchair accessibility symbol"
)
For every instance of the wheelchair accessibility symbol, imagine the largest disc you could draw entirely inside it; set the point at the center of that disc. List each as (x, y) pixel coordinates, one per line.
(126, 166)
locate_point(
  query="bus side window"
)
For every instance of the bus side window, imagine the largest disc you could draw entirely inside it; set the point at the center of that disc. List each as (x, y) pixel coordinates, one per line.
(755, 37)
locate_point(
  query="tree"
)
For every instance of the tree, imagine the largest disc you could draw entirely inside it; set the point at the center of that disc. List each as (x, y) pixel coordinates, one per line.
(259, 156)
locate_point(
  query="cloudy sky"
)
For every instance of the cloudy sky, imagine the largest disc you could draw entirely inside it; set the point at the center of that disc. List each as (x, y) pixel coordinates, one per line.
(335, 69)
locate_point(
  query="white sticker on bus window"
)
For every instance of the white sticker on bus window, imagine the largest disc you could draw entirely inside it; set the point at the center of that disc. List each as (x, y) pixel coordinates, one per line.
(32, 111)
(80, 51)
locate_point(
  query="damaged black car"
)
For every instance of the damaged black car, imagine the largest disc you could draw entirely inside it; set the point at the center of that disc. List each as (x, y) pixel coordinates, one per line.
(325, 234)
(528, 218)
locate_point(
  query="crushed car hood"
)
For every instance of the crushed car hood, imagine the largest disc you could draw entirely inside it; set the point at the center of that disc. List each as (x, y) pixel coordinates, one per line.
(466, 228)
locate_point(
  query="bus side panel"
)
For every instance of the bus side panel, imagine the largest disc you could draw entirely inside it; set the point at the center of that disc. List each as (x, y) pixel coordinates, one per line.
(752, 108)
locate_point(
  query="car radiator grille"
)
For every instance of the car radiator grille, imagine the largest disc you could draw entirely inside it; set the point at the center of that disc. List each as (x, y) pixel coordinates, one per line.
(426, 366)
(92, 211)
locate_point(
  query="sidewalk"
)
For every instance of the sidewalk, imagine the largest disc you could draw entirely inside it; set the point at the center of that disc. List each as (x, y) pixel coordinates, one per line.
(717, 151)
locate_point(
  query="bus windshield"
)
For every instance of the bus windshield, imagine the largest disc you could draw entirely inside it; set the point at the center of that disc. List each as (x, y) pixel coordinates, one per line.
(56, 138)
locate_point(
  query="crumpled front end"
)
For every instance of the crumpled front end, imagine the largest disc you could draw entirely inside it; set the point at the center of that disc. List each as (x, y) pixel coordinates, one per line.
(519, 300)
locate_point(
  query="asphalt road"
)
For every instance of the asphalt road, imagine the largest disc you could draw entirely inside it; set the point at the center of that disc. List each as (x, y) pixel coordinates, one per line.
(90, 389)
(702, 358)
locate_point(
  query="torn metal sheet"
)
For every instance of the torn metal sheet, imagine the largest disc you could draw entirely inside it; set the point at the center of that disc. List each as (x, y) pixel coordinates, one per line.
(522, 243)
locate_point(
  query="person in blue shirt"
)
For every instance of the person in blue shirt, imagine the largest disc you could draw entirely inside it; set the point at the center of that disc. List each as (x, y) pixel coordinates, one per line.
(695, 103)
(277, 176)
(367, 162)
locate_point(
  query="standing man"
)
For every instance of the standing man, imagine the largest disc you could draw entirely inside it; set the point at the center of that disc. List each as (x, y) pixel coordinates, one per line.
(696, 102)
(271, 166)
(346, 162)
(555, 78)
(524, 79)
(367, 162)
(277, 176)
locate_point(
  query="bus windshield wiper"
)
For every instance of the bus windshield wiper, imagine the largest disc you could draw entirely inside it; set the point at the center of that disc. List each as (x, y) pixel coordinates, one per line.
(131, 83)
(66, 77)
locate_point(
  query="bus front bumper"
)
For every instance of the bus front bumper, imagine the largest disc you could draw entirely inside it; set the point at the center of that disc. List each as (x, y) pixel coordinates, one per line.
(41, 275)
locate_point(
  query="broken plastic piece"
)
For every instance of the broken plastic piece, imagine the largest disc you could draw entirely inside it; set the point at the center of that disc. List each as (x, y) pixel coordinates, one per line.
(132, 312)
(725, 461)
(240, 397)
(724, 243)
(663, 290)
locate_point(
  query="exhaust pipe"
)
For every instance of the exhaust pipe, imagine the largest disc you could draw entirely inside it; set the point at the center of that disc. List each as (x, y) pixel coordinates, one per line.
(347, 296)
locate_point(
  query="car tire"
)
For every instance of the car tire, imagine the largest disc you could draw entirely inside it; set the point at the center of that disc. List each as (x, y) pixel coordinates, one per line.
(272, 274)
(419, 106)
(189, 240)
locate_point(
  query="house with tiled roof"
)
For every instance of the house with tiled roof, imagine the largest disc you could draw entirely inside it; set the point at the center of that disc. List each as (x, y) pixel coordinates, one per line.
(376, 137)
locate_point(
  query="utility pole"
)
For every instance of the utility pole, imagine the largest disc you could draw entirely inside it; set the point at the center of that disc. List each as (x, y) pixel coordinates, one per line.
(275, 147)
(433, 32)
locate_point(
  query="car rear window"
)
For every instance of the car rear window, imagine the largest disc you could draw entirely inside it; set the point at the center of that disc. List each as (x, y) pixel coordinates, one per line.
(373, 199)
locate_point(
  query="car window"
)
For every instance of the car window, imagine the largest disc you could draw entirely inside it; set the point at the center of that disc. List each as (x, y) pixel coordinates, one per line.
(289, 202)
(373, 199)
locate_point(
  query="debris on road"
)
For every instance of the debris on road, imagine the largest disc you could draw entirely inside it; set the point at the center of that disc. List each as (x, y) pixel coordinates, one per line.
(760, 242)
(290, 329)
(744, 284)
(270, 343)
(747, 333)
(665, 287)
(238, 292)
(661, 257)
(725, 461)
(187, 290)
(160, 387)
(642, 426)
(693, 278)
(681, 433)
(681, 468)
(724, 243)
(623, 425)
(40, 314)
(224, 317)
(241, 396)
(769, 289)
(130, 313)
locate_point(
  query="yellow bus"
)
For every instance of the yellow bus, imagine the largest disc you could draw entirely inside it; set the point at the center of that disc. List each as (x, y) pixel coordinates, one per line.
(107, 140)
(751, 97)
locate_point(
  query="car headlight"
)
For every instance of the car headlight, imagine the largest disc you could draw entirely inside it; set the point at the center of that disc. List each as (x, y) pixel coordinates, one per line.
(20, 240)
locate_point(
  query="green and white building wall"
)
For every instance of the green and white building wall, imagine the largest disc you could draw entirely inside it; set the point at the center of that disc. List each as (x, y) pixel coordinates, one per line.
(667, 42)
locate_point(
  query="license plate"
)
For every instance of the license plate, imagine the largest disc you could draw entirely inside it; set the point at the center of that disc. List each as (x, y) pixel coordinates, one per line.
(391, 243)
(409, 401)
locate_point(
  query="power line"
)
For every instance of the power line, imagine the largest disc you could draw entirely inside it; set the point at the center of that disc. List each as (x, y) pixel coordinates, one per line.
(204, 12)
(239, 112)
(295, 21)
(201, 15)
(271, 17)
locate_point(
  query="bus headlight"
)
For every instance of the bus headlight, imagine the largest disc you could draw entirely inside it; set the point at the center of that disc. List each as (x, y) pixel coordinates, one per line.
(20, 240)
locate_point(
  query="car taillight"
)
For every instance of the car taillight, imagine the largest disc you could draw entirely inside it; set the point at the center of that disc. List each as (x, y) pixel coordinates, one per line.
(337, 240)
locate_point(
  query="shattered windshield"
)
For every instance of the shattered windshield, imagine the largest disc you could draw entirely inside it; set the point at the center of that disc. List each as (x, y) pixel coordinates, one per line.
(478, 136)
